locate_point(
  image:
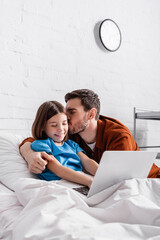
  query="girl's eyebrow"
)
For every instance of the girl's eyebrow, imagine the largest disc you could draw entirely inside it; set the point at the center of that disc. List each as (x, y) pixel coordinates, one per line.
(56, 122)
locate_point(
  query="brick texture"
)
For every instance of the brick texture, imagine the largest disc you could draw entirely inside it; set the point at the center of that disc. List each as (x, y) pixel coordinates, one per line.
(49, 47)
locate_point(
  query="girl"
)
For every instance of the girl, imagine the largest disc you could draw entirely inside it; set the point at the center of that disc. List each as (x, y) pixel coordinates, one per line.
(50, 129)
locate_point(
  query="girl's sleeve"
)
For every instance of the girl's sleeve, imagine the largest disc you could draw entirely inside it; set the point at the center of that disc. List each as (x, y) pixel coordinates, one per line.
(41, 146)
(76, 147)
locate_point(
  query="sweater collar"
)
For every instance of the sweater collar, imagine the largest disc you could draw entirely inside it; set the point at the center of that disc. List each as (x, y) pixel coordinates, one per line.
(100, 132)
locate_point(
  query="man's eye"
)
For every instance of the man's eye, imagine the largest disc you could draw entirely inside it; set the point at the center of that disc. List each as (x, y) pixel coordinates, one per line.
(72, 112)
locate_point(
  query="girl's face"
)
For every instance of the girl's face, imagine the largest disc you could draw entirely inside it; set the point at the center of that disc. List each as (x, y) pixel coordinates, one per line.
(57, 127)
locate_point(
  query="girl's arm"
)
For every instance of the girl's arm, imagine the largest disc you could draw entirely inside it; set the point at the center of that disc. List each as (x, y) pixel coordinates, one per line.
(89, 164)
(69, 174)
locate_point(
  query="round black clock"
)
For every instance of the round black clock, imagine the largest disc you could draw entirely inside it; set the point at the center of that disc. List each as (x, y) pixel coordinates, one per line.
(110, 35)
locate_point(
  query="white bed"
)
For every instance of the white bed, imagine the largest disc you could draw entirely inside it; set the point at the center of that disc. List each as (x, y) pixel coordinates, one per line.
(34, 209)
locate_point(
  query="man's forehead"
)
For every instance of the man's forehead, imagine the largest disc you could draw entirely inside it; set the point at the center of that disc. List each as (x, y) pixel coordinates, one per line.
(73, 103)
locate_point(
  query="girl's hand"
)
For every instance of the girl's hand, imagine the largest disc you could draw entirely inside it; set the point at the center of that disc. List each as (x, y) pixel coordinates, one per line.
(89, 164)
(90, 180)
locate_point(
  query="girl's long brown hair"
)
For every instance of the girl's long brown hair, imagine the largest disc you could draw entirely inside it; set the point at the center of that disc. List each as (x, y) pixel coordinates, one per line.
(45, 111)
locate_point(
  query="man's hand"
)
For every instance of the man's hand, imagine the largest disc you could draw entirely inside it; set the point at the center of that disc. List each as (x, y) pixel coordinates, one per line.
(37, 161)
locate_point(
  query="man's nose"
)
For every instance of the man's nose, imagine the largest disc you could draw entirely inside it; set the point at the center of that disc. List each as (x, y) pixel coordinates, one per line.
(68, 116)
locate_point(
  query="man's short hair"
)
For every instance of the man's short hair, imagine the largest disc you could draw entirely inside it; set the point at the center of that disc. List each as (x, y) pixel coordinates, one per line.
(89, 99)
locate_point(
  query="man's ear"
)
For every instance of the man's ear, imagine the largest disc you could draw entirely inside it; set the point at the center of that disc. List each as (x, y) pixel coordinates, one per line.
(92, 113)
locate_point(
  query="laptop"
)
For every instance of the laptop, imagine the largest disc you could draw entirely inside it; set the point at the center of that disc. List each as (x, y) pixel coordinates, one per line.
(116, 166)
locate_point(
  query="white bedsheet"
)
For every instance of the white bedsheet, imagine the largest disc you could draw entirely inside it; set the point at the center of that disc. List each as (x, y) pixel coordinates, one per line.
(10, 208)
(128, 210)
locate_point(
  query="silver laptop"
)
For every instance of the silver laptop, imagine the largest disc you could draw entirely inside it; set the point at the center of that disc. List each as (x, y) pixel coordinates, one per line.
(116, 166)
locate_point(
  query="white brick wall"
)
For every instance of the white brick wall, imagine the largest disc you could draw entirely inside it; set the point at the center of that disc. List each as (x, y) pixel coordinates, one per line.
(49, 47)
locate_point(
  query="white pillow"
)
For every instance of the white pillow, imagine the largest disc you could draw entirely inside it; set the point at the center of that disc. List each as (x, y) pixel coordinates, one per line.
(12, 165)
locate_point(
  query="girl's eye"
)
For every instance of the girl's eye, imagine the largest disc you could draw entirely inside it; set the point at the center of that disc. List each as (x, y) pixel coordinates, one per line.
(53, 125)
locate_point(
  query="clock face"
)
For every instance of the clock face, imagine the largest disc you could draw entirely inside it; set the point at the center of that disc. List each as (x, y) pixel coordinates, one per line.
(110, 35)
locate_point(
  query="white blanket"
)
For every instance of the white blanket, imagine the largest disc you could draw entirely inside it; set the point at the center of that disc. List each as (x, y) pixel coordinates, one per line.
(128, 210)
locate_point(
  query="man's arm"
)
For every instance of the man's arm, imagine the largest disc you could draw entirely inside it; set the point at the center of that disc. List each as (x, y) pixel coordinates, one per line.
(36, 160)
(123, 142)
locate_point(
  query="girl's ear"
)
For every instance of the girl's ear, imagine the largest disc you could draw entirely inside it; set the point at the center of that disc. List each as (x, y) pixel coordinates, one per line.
(92, 113)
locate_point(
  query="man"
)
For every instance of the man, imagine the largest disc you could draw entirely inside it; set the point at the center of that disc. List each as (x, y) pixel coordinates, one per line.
(93, 132)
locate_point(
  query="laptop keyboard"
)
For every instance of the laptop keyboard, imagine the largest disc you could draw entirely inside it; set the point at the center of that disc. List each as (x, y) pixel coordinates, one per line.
(83, 190)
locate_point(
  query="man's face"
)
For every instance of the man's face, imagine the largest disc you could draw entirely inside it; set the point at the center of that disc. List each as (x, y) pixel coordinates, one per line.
(77, 117)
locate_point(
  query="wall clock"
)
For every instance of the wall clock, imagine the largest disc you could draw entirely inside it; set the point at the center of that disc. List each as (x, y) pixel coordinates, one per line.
(110, 35)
